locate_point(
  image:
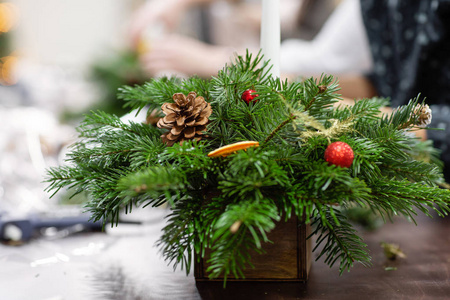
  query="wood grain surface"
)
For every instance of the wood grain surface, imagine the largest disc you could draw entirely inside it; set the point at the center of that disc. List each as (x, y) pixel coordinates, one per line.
(286, 259)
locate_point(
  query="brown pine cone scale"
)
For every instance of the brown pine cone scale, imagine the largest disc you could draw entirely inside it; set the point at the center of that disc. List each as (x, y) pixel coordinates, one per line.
(186, 118)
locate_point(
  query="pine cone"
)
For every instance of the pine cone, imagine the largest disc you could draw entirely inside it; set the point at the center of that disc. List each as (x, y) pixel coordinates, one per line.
(186, 118)
(423, 113)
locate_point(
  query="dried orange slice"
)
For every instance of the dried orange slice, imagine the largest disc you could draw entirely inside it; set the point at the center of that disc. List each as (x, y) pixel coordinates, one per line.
(228, 149)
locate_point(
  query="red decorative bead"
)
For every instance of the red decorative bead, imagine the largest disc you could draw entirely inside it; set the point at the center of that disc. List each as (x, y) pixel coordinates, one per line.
(339, 154)
(248, 97)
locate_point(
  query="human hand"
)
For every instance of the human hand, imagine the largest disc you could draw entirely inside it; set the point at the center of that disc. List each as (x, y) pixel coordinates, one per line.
(175, 53)
(159, 14)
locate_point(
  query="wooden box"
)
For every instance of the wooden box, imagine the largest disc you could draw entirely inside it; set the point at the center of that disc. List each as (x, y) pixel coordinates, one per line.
(287, 259)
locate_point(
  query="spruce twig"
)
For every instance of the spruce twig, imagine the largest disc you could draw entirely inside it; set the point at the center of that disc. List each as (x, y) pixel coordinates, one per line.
(279, 127)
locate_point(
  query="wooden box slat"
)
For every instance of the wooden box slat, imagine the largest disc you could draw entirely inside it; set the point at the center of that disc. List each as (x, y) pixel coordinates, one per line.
(288, 258)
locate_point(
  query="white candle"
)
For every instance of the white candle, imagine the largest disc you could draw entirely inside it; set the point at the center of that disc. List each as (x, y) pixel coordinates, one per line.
(270, 34)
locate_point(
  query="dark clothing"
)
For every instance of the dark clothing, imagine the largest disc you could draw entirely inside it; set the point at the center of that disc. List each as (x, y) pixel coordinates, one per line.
(410, 45)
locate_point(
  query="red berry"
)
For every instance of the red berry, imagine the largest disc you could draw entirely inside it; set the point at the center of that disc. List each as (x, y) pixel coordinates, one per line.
(248, 97)
(339, 154)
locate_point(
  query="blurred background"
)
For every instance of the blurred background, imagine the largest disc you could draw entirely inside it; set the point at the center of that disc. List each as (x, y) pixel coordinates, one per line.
(61, 59)
(47, 53)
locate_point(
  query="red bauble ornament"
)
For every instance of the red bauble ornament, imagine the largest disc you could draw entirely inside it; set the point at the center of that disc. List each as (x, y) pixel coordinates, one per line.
(248, 97)
(339, 154)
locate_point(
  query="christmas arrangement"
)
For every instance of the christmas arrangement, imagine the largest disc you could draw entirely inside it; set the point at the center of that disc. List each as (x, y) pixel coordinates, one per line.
(235, 154)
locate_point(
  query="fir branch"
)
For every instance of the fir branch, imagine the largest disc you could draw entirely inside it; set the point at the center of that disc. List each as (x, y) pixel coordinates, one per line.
(146, 152)
(98, 122)
(106, 202)
(107, 141)
(123, 151)
(229, 253)
(402, 117)
(191, 160)
(289, 158)
(320, 89)
(152, 94)
(213, 205)
(177, 242)
(368, 155)
(363, 109)
(302, 202)
(424, 151)
(316, 98)
(332, 185)
(251, 174)
(342, 242)
(412, 170)
(65, 176)
(404, 197)
(238, 77)
(279, 127)
(395, 143)
(152, 182)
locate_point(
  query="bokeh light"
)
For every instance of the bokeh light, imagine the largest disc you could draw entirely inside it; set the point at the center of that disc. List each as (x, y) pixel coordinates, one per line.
(7, 76)
(8, 19)
(8, 16)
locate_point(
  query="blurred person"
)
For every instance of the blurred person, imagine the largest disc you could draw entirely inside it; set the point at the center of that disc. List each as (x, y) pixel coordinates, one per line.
(234, 26)
(410, 46)
(154, 13)
(162, 51)
(340, 48)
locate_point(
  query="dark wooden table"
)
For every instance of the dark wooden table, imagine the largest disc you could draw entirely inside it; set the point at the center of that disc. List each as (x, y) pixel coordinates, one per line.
(124, 264)
(423, 274)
